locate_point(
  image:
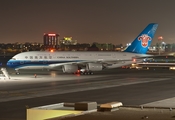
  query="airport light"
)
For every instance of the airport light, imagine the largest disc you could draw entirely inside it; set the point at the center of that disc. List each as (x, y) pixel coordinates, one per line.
(163, 42)
(128, 44)
(134, 60)
(51, 50)
(160, 38)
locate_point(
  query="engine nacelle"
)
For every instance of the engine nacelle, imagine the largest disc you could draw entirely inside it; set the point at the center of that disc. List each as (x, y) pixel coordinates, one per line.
(94, 67)
(70, 68)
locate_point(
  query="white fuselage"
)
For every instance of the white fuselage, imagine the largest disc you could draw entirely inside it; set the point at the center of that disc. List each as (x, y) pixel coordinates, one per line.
(43, 59)
(88, 56)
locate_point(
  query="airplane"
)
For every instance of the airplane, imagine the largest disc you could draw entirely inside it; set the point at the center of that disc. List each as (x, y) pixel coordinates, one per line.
(85, 62)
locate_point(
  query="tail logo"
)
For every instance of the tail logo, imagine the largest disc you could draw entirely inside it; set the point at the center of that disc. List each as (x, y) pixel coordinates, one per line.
(144, 40)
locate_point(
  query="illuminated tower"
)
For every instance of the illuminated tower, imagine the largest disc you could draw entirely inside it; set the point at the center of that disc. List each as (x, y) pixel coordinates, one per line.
(51, 39)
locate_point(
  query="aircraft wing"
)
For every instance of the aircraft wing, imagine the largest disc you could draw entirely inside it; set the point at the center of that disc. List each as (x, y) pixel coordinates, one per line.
(83, 63)
(75, 63)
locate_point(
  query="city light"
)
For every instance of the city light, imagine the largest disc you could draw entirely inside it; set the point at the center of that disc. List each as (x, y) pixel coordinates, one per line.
(163, 42)
(51, 50)
(128, 44)
(67, 38)
(160, 38)
(51, 34)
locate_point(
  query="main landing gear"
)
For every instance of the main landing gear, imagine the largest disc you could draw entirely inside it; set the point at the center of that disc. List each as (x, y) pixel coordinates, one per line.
(83, 72)
(87, 73)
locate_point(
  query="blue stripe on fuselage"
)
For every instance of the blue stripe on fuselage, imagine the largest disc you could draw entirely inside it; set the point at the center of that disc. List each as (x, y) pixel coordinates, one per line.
(18, 63)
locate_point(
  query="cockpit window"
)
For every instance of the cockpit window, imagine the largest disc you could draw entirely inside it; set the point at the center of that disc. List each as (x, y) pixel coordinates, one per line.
(13, 58)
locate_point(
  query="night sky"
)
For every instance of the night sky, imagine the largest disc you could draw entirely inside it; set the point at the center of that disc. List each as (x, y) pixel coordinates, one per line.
(103, 21)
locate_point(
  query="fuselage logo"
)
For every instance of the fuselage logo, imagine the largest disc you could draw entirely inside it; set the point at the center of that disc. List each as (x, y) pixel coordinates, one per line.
(144, 40)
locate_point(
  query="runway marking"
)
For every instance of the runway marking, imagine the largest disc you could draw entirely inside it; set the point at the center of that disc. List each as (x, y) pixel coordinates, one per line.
(47, 91)
(17, 94)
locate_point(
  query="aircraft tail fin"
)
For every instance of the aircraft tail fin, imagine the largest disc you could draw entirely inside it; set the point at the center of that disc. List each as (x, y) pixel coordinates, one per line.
(143, 40)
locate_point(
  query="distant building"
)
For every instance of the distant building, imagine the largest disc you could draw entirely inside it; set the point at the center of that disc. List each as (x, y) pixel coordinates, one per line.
(93, 48)
(50, 39)
(68, 41)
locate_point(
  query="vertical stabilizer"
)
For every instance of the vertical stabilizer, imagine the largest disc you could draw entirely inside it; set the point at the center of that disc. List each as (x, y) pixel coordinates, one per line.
(143, 40)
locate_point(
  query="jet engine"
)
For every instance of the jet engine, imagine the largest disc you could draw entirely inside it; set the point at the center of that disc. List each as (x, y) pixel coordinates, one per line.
(70, 68)
(94, 66)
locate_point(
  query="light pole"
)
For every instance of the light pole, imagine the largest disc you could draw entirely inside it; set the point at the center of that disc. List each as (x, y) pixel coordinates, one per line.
(163, 44)
(160, 38)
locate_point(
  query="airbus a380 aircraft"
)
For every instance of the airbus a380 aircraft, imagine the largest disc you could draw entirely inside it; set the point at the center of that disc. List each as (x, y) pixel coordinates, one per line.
(71, 62)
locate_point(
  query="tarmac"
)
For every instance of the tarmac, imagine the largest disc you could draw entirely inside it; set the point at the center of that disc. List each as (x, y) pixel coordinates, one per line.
(152, 89)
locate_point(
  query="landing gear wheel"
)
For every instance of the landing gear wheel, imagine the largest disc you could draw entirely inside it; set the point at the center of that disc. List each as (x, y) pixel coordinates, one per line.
(17, 72)
(87, 73)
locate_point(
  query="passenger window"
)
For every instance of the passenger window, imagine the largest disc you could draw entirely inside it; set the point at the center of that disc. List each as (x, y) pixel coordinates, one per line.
(45, 57)
(31, 57)
(36, 57)
(50, 57)
(26, 57)
(40, 57)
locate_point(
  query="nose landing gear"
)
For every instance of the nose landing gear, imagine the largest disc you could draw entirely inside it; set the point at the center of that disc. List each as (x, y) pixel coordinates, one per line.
(17, 72)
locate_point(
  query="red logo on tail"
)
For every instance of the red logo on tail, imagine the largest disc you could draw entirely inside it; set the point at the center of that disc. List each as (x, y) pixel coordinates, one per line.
(144, 39)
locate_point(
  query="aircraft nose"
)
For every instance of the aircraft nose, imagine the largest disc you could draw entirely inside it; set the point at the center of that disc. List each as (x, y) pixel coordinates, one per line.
(8, 63)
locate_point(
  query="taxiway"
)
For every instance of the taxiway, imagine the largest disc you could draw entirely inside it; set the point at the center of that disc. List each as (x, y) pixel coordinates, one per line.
(131, 87)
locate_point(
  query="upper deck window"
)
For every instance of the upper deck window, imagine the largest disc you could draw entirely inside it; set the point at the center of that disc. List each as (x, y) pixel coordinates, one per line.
(36, 57)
